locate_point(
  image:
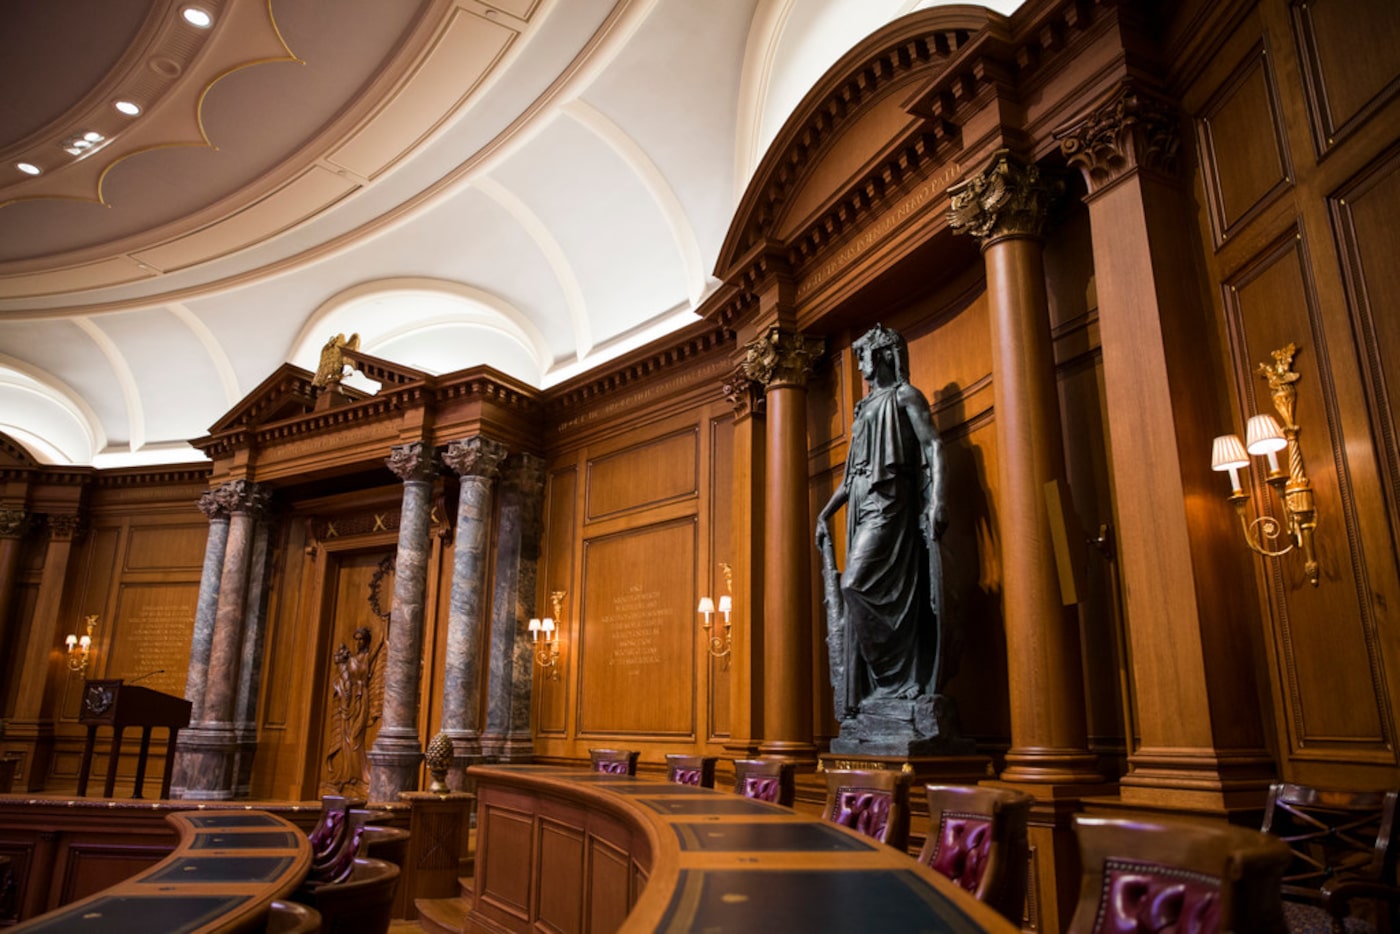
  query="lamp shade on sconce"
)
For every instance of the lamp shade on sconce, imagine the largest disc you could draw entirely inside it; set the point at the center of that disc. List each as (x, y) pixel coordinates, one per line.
(1228, 453)
(1263, 436)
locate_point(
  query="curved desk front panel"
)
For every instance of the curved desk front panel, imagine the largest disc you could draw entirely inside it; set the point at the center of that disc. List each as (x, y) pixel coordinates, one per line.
(579, 851)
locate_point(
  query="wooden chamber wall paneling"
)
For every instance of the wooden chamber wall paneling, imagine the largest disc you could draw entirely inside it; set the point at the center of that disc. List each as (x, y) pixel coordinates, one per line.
(607, 876)
(558, 872)
(557, 568)
(721, 523)
(1243, 153)
(1320, 631)
(166, 547)
(90, 866)
(1364, 214)
(504, 876)
(636, 649)
(151, 633)
(645, 474)
(1349, 65)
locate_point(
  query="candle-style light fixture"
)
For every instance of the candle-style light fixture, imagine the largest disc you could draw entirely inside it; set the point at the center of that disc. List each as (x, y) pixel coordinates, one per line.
(1265, 437)
(80, 647)
(720, 643)
(547, 649)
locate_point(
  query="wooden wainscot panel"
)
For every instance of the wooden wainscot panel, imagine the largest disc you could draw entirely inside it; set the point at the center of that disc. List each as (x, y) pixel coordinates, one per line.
(609, 900)
(1317, 631)
(91, 865)
(559, 875)
(166, 547)
(151, 635)
(1350, 68)
(654, 471)
(721, 521)
(504, 875)
(637, 632)
(557, 566)
(1243, 153)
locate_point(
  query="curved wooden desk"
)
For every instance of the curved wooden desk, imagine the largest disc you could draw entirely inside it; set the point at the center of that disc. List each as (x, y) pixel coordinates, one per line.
(587, 851)
(223, 876)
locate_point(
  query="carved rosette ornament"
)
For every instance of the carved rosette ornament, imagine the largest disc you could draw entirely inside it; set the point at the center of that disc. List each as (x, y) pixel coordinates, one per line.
(475, 457)
(243, 496)
(744, 394)
(412, 461)
(13, 523)
(1133, 130)
(781, 358)
(1010, 198)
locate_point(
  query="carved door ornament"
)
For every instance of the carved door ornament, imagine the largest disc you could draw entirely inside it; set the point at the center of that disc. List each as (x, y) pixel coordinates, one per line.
(357, 694)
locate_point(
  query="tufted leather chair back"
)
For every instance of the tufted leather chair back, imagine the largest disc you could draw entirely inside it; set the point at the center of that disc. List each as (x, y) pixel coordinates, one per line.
(614, 761)
(691, 770)
(873, 802)
(1177, 874)
(977, 838)
(768, 780)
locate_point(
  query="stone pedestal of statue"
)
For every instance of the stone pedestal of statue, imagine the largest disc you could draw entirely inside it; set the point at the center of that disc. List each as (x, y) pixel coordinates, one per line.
(921, 726)
(939, 770)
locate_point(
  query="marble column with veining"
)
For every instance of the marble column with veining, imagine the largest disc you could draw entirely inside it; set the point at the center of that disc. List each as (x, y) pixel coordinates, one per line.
(397, 749)
(211, 745)
(509, 680)
(477, 461)
(250, 662)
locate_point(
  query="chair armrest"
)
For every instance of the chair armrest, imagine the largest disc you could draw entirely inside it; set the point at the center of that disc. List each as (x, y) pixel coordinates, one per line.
(1337, 894)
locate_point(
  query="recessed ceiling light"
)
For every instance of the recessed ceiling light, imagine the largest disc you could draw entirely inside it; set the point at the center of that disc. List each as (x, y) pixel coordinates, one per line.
(198, 17)
(93, 137)
(81, 144)
(28, 168)
(127, 107)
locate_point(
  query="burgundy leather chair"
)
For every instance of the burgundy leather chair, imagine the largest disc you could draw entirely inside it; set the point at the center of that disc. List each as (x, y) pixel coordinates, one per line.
(1175, 874)
(614, 761)
(361, 904)
(1342, 878)
(768, 780)
(874, 802)
(977, 838)
(691, 770)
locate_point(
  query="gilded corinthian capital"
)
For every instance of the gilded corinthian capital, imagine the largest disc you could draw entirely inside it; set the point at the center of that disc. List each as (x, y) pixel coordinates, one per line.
(1008, 198)
(475, 457)
(1132, 130)
(781, 358)
(13, 522)
(412, 461)
(243, 496)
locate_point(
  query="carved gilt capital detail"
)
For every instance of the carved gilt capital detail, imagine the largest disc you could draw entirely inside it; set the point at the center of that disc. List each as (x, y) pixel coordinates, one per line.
(744, 394)
(1009, 198)
(63, 527)
(211, 506)
(781, 358)
(475, 457)
(13, 523)
(1133, 130)
(243, 496)
(412, 461)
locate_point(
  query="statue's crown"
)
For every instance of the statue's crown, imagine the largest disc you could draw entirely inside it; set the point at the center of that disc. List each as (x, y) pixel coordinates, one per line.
(878, 338)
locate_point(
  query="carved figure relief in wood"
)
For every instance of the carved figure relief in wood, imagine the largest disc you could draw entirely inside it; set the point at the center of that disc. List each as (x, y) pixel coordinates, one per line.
(357, 696)
(884, 608)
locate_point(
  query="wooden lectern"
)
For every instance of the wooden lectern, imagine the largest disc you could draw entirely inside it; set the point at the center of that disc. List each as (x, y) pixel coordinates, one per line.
(118, 705)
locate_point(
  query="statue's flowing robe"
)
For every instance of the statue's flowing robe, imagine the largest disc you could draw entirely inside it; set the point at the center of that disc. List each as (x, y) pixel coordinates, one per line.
(890, 624)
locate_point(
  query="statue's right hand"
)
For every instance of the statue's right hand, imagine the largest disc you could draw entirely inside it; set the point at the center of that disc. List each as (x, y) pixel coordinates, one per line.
(823, 533)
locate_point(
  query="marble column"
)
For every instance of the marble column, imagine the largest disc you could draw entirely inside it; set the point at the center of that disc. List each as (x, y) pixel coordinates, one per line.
(202, 639)
(250, 662)
(397, 749)
(1203, 742)
(209, 748)
(510, 676)
(477, 461)
(781, 361)
(13, 523)
(1005, 208)
(30, 731)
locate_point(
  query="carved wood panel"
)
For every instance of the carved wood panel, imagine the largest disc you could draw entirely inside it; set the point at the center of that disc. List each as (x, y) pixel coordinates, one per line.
(646, 474)
(720, 520)
(557, 566)
(504, 875)
(609, 869)
(557, 903)
(1326, 653)
(1349, 65)
(1243, 153)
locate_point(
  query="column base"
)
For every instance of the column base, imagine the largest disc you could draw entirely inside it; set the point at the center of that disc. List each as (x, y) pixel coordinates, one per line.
(1049, 766)
(1203, 780)
(804, 754)
(394, 761)
(947, 770)
(206, 756)
(508, 748)
(247, 738)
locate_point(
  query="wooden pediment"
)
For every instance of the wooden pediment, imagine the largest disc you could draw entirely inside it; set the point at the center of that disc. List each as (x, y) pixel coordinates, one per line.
(285, 394)
(14, 455)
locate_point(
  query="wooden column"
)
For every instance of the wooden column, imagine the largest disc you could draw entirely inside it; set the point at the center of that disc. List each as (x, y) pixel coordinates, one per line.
(1187, 579)
(13, 523)
(397, 749)
(31, 729)
(1004, 207)
(746, 548)
(780, 360)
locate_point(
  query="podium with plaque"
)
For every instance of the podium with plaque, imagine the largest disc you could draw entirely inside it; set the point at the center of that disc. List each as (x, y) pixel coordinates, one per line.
(119, 705)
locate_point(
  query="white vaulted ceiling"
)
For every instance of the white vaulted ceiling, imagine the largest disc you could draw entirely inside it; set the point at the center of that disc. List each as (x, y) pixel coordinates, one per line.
(535, 184)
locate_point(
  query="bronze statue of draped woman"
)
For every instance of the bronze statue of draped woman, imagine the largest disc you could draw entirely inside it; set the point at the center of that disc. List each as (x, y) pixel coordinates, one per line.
(883, 609)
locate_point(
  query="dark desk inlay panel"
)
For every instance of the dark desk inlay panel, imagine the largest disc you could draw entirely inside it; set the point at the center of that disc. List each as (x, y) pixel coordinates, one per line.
(767, 837)
(249, 840)
(854, 900)
(137, 914)
(204, 869)
(727, 806)
(234, 820)
(660, 788)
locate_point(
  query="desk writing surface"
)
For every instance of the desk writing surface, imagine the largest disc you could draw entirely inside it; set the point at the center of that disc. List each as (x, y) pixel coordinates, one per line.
(725, 863)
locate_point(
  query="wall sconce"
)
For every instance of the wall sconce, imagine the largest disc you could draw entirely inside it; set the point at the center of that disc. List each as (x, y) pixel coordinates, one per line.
(1265, 438)
(547, 651)
(79, 647)
(719, 644)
